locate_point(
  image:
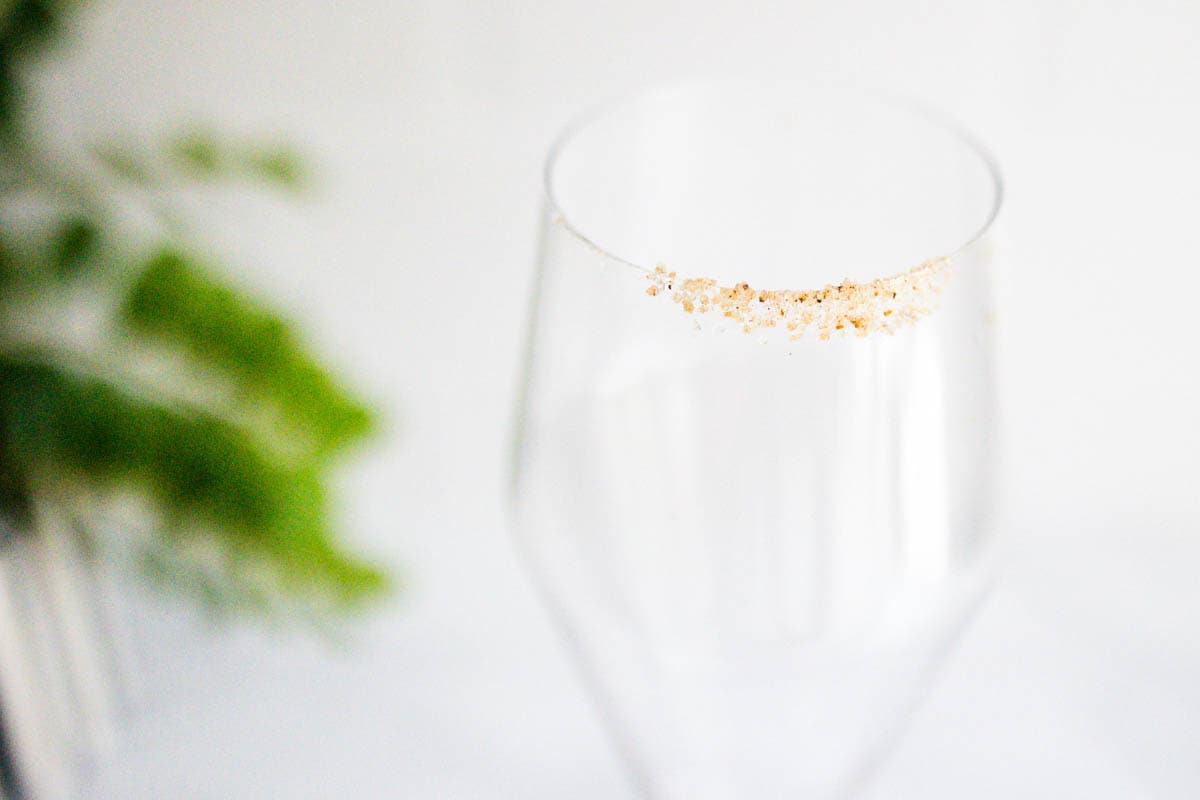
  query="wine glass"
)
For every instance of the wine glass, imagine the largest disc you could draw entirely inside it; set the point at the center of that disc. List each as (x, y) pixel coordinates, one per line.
(754, 453)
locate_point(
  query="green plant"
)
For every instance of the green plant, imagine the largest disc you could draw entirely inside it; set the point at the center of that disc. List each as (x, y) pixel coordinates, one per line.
(133, 376)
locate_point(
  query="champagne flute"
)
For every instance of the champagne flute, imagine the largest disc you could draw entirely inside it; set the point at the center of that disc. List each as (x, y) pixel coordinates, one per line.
(753, 473)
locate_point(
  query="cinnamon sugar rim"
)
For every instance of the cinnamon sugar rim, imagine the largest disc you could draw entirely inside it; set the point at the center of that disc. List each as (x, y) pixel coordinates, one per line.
(930, 274)
(883, 305)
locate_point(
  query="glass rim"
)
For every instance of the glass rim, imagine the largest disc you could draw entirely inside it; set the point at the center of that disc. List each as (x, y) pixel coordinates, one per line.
(909, 104)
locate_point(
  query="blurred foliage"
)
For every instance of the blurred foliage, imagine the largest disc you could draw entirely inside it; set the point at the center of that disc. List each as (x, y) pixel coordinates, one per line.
(230, 443)
(205, 155)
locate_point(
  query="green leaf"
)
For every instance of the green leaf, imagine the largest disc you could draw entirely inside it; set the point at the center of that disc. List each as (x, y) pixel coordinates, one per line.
(176, 301)
(29, 24)
(26, 28)
(124, 163)
(203, 154)
(16, 505)
(36, 254)
(12, 93)
(74, 244)
(278, 166)
(10, 267)
(198, 151)
(209, 477)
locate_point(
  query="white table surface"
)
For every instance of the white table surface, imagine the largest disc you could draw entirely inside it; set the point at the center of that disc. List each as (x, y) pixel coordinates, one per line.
(429, 120)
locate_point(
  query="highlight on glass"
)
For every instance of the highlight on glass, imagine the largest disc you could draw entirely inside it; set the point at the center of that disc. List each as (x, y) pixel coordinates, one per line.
(753, 464)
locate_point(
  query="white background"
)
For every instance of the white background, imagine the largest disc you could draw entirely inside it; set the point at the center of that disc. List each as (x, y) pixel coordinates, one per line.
(411, 264)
